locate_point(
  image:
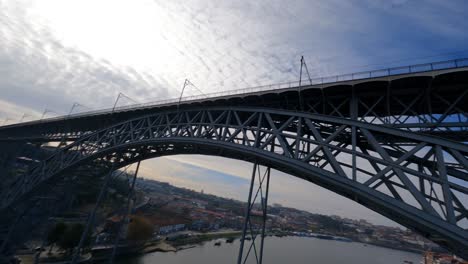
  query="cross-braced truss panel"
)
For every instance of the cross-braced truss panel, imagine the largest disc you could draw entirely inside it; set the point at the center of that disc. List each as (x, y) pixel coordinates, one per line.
(420, 175)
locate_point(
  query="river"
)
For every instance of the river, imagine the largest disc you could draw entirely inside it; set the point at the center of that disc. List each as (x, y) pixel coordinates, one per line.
(290, 250)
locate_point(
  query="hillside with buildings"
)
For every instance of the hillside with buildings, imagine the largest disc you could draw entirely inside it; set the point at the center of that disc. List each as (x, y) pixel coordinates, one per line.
(171, 209)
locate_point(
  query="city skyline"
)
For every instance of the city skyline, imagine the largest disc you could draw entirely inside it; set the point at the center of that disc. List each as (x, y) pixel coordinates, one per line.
(230, 178)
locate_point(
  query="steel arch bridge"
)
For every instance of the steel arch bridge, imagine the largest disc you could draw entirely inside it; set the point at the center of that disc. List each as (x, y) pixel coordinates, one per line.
(430, 99)
(393, 140)
(419, 181)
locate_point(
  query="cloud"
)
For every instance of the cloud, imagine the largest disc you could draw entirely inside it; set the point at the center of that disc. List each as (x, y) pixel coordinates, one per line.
(194, 177)
(66, 51)
(55, 53)
(14, 112)
(38, 71)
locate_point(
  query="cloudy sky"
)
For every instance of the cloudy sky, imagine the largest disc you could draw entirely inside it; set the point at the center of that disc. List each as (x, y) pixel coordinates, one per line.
(56, 53)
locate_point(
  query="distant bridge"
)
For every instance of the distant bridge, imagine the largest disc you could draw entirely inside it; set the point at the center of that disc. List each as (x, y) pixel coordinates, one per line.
(392, 140)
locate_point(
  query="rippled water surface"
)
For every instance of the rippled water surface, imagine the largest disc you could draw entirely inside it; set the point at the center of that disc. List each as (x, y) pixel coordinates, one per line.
(290, 250)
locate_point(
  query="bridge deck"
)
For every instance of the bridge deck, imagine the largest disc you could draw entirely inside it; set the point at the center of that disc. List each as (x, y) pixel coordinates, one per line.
(323, 95)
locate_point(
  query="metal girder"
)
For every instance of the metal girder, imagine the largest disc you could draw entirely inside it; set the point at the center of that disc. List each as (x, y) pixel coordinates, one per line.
(419, 181)
(434, 103)
(125, 220)
(90, 220)
(254, 227)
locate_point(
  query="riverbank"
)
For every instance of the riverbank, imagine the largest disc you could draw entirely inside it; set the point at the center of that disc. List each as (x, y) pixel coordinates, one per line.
(279, 250)
(185, 242)
(202, 237)
(188, 240)
(172, 243)
(401, 247)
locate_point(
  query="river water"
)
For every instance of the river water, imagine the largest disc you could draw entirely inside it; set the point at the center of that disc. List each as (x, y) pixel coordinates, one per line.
(290, 250)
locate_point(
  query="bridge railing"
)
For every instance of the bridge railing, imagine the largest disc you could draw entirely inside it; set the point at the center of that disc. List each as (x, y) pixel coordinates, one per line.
(418, 68)
(458, 63)
(450, 64)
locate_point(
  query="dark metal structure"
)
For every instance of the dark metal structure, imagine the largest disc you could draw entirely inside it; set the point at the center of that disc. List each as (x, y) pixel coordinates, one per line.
(255, 221)
(395, 144)
(430, 98)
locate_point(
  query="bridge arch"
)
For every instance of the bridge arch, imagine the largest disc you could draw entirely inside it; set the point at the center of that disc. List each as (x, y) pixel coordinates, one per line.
(425, 178)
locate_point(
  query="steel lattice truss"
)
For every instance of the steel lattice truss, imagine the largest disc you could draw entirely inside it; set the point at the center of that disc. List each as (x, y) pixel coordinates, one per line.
(433, 102)
(419, 181)
(419, 106)
(412, 111)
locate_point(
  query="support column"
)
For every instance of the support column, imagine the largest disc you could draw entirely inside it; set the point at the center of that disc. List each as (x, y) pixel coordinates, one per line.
(125, 221)
(249, 227)
(90, 221)
(264, 212)
(354, 116)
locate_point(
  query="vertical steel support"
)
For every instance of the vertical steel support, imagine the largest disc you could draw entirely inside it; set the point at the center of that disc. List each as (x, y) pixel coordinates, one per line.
(127, 212)
(248, 225)
(264, 212)
(247, 215)
(90, 221)
(354, 116)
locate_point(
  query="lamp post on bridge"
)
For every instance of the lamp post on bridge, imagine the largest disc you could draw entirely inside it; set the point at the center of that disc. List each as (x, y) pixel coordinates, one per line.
(75, 105)
(303, 65)
(22, 117)
(47, 111)
(120, 96)
(187, 82)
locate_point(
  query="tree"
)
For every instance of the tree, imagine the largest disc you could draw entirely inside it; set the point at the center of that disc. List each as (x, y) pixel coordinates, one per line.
(55, 234)
(72, 236)
(139, 229)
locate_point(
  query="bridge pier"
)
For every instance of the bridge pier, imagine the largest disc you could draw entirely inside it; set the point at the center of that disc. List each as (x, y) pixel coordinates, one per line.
(90, 221)
(128, 208)
(252, 226)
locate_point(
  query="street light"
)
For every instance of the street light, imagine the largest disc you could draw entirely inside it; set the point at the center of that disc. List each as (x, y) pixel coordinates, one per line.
(75, 105)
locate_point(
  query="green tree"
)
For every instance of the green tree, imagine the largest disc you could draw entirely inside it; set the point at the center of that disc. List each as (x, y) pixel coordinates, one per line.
(139, 229)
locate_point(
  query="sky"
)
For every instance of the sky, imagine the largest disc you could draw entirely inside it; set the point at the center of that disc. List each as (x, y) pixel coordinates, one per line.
(57, 53)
